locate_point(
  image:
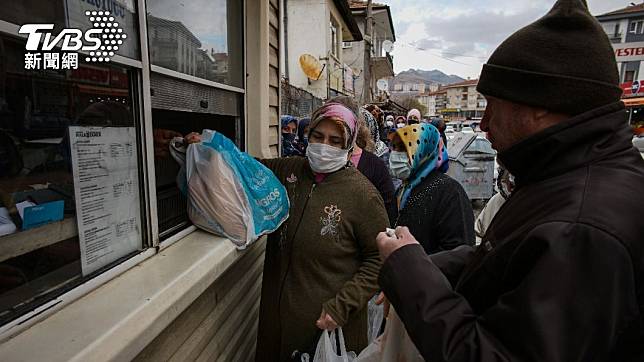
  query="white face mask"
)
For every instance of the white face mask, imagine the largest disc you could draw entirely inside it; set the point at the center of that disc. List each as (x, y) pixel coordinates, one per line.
(399, 164)
(401, 125)
(390, 123)
(326, 159)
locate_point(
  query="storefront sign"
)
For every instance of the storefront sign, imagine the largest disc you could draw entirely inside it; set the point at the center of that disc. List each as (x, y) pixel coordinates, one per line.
(628, 52)
(450, 110)
(106, 183)
(45, 50)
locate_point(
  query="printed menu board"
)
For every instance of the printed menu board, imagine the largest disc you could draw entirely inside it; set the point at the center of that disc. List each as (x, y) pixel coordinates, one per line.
(106, 184)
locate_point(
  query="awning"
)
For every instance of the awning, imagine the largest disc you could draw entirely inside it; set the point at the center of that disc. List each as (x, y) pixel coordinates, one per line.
(632, 102)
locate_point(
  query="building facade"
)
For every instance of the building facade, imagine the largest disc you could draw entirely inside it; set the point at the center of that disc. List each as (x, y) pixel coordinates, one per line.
(319, 28)
(381, 61)
(625, 29)
(455, 102)
(97, 256)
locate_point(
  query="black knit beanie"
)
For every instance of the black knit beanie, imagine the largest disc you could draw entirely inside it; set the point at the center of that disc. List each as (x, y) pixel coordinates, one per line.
(563, 62)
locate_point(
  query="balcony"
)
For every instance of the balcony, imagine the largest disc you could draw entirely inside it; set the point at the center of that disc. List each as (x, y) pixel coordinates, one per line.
(615, 38)
(382, 67)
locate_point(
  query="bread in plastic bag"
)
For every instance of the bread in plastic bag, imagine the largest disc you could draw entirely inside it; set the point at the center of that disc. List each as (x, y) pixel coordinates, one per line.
(230, 193)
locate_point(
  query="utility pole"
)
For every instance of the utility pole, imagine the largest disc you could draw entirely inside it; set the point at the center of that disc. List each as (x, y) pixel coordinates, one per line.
(366, 86)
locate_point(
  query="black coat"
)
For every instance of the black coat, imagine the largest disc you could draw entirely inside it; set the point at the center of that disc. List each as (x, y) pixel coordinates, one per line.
(439, 214)
(375, 170)
(559, 275)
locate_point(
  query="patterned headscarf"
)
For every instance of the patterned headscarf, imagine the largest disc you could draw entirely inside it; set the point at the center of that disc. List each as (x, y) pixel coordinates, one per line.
(285, 120)
(339, 111)
(427, 153)
(380, 147)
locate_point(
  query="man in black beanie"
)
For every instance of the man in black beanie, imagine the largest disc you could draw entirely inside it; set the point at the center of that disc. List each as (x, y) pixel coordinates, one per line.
(559, 275)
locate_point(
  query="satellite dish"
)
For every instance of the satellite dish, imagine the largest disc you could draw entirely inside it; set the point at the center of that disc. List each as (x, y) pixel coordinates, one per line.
(382, 84)
(388, 46)
(311, 66)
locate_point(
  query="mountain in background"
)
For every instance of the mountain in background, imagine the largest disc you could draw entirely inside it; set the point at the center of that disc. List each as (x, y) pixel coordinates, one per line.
(424, 76)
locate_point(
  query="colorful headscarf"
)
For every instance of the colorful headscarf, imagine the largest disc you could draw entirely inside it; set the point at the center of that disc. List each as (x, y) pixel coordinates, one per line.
(380, 148)
(427, 153)
(339, 111)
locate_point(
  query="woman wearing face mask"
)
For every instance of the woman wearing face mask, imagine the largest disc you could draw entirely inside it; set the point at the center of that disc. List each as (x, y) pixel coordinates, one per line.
(431, 204)
(290, 145)
(413, 116)
(401, 122)
(321, 267)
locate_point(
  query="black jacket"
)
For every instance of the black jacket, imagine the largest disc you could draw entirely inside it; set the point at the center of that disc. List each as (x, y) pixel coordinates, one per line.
(559, 274)
(374, 169)
(439, 214)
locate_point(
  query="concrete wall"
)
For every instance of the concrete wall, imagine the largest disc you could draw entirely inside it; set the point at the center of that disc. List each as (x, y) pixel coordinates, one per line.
(308, 29)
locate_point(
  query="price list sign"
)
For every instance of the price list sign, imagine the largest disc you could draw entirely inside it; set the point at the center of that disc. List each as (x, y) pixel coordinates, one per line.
(104, 162)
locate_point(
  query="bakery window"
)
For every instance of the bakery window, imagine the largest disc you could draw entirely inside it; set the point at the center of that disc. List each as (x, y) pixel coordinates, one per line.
(70, 183)
(178, 108)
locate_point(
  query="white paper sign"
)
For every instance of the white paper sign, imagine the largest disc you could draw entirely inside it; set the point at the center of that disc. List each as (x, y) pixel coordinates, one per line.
(106, 184)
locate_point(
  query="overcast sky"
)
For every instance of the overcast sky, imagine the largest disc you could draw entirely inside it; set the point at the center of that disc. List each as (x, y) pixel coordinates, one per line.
(457, 36)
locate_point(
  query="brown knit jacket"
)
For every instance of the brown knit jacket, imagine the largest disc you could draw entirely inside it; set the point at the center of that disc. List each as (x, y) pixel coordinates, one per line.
(324, 257)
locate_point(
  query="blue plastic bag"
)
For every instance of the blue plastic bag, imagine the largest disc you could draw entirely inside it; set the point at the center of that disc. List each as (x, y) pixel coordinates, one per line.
(230, 193)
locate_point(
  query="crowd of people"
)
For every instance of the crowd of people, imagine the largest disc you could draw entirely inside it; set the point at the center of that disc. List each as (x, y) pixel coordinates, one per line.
(559, 272)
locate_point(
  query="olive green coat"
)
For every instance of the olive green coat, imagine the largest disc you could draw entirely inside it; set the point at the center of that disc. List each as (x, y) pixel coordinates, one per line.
(324, 256)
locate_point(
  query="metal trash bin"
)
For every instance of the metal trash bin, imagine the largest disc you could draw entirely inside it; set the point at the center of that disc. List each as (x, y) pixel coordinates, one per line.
(472, 164)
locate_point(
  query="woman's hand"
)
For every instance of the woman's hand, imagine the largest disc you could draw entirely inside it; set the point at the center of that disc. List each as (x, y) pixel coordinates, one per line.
(383, 299)
(192, 137)
(325, 322)
(162, 138)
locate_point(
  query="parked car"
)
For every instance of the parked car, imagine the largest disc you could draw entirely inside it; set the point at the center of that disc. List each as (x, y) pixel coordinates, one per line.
(449, 133)
(467, 130)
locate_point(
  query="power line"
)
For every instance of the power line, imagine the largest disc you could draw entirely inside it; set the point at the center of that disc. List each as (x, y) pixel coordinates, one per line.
(440, 56)
(437, 55)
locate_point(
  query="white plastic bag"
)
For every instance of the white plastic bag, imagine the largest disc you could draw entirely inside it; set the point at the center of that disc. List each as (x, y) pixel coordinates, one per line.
(327, 350)
(393, 345)
(375, 315)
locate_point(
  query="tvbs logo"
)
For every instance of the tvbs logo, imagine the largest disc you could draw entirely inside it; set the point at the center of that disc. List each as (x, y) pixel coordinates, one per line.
(48, 51)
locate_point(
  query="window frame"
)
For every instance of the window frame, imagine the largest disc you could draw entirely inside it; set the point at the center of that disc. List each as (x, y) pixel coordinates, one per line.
(336, 40)
(147, 250)
(636, 27)
(141, 99)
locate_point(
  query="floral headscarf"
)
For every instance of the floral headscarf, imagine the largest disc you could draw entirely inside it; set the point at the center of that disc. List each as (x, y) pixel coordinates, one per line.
(380, 147)
(427, 153)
